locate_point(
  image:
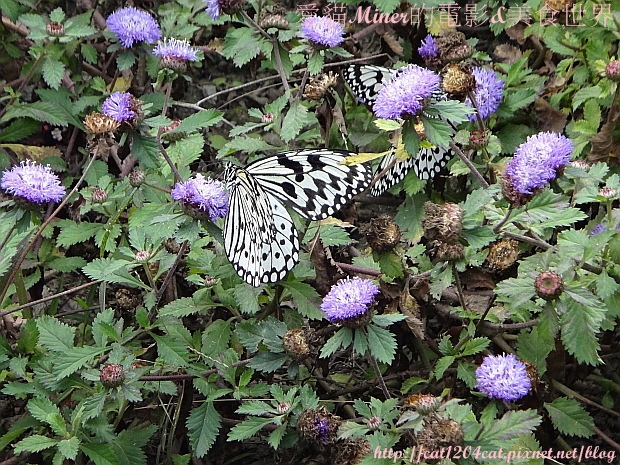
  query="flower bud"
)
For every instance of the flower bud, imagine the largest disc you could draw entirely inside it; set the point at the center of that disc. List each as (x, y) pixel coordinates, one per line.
(112, 375)
(549, 285)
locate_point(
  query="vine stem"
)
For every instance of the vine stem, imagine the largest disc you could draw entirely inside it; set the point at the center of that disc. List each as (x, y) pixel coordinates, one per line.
(22, 257)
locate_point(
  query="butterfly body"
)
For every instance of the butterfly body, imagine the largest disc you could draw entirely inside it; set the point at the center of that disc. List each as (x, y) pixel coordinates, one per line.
(366, 81)
(260, 239)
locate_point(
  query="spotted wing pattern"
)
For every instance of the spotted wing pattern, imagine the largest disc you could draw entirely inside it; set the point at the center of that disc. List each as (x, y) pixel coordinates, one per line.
(365, 82)
(260, 239)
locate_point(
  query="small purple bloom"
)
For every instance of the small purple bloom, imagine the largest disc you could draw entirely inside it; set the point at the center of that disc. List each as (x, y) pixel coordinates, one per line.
(404, 94)
(132, 25)
(322, 30)
(599, 228)
(213, 8)
(349, 299)
(537, 160)
(503, 377)
(33, 182)
(118, 106)
(487, 94)
(323, 429)
(429, 48)
(204, 194)
(175, 53)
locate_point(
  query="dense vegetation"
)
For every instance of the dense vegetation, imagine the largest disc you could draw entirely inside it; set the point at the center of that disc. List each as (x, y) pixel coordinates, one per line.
(126, 335)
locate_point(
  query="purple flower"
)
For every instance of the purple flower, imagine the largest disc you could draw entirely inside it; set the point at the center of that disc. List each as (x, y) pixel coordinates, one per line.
(204, 194)
(213, 8)
(132, 25)
(429, 48)
(487, 94)
(33, 182)
(503, 377)
(599, 228)
(322, 30)
(537, 160)
(404, 94)
(119, 107)
(349, 299)
(322, 428)
(175, 53)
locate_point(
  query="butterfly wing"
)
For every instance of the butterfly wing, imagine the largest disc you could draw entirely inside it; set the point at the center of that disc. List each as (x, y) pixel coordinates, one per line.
(366, 81)
(313, 182)
(260, 239)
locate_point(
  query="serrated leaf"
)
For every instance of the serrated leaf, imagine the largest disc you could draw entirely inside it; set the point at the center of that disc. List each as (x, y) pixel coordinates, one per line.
(245, 144)
(46, 112)
(53, 71)
(128, 445)
(70, 361)
(247, 298)
(215, 337)
(19, 129)
(580, 323)
(295, 119)
(125, 60)
(69, 448)
(442, 365)
(34, 443)
(343, 338)
(93, 405)
(54, 335)
(534, 348)
(382, 344)
(411, 140)
(247, 428)
(475, 345)
(275, 438)
(101, 454)
(145, 149)
(66, 264)
(306, 298)
(332, 235)
(241, 45)
(72, 233)
(511, 425)
(179, 308)
(172, 351)
(203, 424)
(315, 64)
(46, 412)
(268, 362)
(112, 271)
(569, 417)
(200, 120)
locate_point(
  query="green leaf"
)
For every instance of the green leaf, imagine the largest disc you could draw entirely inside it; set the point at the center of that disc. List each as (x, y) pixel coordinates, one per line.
(125, 60)
(53, 71)
(411, 140)
(306, 298)
(585, 93)
(343, 338)
(19, 129)
(296, 118)
(172, 351)
(216, 337)
(145, 149)
(268, 362)
(391, 265)
(474, 346)
(247, 428)
(443, 364)
(202, 119)
(382, 344)
(89, 53)
(128, 445)
(315, 64)
(54, 335)
(275, 438)
(245, 144)
(46, 112)
(73, 233)
(46, 412)
(69, 448)
(112, 271)
(203, 424)
(34, 443)
(450, 110)
(606, 286)
(333, 235)
(66, 264)
(241, 45)
(71, 361)
(184, 306)
(247, 298)
(101, 454)
(569, 417)
(534, 348)
(580, 323)
(511, 425)
(360, 342)
(386, 6)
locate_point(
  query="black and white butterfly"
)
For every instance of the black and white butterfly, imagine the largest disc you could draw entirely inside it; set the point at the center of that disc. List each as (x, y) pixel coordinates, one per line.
(260, 239)
(365, 81)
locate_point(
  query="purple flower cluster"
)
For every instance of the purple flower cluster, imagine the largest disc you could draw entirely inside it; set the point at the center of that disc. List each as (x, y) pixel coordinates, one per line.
(175, 48)
(118, 106)
(33, 182)
(322, 429)
(213, 9)
(537, 160)
(404, 95)
(204, 194)
(487, 94)
(429, 48)
(131, 25)
(322, 30)
(349, 299)
(599, 228)
(503, 377)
